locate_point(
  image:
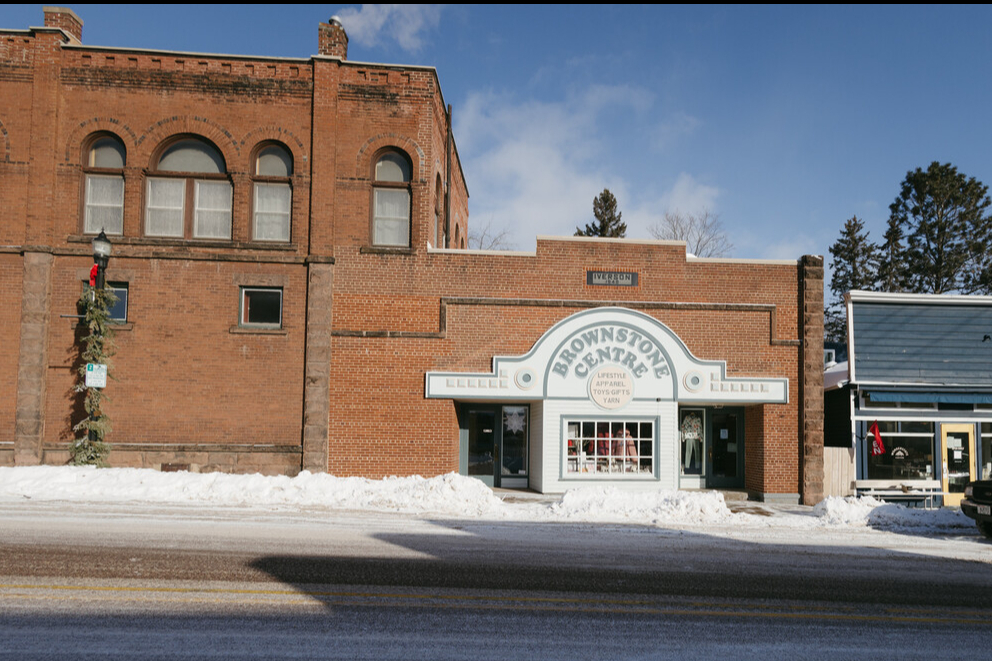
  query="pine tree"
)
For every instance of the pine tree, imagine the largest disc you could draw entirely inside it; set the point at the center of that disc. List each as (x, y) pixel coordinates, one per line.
(944, 216)
(893, 275)
(608, 223)
(855, 266)
(91, 447)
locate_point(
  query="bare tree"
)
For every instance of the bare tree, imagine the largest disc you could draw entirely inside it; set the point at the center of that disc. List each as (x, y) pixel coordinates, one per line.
(702, 232)
(490, 238)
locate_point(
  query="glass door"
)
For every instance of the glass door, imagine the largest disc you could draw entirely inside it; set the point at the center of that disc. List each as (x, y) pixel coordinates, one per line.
(482, 447)
(725, 449)
(957, 448)
(495, 444)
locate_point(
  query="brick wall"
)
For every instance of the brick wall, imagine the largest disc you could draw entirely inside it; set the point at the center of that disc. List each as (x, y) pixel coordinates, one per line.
(341, 385)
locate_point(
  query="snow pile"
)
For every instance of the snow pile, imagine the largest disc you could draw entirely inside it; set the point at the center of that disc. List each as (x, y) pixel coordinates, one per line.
(612, 504)
(447, 494)
(867, 511)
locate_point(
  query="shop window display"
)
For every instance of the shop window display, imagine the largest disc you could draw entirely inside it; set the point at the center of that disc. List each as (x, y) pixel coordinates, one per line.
(610, 447)
(691, 431)
(908, 452)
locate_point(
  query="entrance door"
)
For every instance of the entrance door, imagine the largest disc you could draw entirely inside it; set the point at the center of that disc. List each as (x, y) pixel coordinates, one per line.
(725, 454)
(494, 444)
(957, 448)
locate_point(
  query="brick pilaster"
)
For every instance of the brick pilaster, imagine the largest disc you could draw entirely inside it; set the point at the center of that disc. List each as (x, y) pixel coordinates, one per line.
(316, 389)
(32, 364)
(811, 386)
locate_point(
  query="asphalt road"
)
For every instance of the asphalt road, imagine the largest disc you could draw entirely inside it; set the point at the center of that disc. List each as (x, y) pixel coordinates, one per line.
(177, 584)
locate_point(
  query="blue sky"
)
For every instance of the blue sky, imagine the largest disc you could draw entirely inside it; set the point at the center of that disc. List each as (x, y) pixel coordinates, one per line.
(785, 121)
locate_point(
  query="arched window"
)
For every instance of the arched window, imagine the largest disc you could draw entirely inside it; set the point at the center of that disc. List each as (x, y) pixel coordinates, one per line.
(273, 197)
(391, 200)
(189, 193)
(104, 181)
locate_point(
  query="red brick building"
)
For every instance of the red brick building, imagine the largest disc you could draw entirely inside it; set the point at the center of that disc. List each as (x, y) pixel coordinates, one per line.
(289, 236)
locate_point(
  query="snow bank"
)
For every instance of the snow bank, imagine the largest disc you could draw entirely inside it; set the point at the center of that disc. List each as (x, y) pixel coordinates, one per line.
(452, 495)
(867, 511)
(448, 494)
(654, 507)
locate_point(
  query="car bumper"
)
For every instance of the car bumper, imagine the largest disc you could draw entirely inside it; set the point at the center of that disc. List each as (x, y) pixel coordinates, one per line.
(977, 511)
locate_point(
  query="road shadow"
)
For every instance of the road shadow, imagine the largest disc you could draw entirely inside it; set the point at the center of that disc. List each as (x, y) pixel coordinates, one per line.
(628, 560)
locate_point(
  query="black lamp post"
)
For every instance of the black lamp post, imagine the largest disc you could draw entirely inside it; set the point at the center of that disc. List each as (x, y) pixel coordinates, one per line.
(101, 255)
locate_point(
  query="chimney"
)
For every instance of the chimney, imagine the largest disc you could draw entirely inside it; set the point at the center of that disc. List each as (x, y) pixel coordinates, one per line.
(332, 39)
(66, 19)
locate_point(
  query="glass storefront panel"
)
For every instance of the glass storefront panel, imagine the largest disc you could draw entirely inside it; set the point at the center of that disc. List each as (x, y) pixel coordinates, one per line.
(985, 471)
(904, 458)
(514, 441)
(617, 448)
(691, 431)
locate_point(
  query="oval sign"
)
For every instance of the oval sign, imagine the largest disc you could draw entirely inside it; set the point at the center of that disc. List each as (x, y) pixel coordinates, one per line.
(611, 387)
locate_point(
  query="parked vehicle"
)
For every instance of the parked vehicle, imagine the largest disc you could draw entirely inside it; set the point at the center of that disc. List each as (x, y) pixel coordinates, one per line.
(977, 504)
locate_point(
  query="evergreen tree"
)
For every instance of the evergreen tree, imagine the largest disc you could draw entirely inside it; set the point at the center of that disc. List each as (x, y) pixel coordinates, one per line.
(944, 215)
(91, 447)
(893, 275)
(855, 266)
(608, 223)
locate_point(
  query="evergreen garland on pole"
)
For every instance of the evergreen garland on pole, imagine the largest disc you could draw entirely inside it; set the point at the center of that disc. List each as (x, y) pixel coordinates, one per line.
(90, 447)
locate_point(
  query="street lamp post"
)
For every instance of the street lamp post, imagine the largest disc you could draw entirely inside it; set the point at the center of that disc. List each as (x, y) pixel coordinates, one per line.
(101, 257)
(98, 280)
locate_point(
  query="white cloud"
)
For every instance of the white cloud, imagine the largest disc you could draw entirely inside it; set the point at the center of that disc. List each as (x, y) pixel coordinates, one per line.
(686, 195)
(371, 25)
(534, 167)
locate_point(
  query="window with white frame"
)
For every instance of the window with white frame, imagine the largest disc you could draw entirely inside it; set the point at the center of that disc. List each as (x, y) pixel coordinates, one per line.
(104, 186)
(391, 200)
(273, 196)
(609, 448)
(189, 193)
(261, 307)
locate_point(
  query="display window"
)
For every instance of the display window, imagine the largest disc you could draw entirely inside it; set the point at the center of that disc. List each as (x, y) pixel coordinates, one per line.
(616, 448)
(907, 451)
(692, 435)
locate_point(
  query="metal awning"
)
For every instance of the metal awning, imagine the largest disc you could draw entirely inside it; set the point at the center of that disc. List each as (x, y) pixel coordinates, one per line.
(929, 397)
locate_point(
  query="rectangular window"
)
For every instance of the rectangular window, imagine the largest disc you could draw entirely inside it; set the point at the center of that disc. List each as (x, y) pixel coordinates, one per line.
(212, 219)
(392, 217)
(609, 448)
(165, 207)
(118, 312)
(261, 307)
(908, 454)
(104, 204)
(691, 426)
(273, 205)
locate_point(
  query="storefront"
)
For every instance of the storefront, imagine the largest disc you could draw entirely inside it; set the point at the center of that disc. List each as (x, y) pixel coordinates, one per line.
(606, 396)
(917, 400)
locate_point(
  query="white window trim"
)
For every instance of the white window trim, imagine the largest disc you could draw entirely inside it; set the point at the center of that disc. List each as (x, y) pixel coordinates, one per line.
(288, 213)
(89, 228)
(241, 308)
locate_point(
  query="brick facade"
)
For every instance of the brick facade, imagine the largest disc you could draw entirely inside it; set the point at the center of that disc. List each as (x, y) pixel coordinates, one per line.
(339, 384)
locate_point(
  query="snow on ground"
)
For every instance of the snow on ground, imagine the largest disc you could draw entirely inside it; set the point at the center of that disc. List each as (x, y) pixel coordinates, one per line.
(452, 495)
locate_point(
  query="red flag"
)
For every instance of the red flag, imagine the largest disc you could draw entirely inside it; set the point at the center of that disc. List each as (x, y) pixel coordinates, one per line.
(877, 446)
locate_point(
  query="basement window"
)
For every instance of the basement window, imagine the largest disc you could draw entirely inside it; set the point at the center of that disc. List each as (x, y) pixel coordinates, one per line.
(261, 307)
